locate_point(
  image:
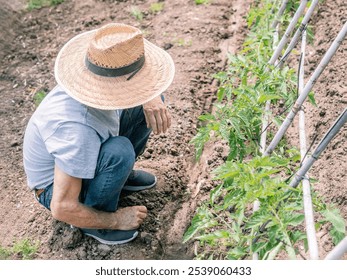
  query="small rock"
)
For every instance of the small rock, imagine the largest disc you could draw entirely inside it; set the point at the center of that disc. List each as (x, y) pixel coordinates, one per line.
(147, 155)
(71, 238)
(167, 46)
(82, 254)
(104, 249)
(174, 152)
(146, 237)
(14, 143)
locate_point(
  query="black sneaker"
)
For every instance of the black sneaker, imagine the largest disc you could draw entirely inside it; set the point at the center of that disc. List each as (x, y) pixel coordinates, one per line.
(111, 237)
(139, 180)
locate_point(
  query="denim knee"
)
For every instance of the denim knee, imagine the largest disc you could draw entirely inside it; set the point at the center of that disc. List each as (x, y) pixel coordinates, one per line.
(116, 151)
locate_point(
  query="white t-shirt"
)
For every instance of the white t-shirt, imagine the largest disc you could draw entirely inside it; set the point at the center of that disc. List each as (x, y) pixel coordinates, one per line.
(64, 132)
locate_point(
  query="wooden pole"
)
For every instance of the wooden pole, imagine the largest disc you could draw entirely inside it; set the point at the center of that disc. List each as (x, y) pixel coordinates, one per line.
(308, 208)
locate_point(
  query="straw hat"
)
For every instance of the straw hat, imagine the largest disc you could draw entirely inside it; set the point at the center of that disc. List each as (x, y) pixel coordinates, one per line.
(113, 67)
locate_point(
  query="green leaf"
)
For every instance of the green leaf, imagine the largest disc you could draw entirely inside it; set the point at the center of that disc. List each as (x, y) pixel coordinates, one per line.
(291, 252)
(214, 236)
(215, 193)
(265, 97)
(273, 253)
(337, 236)
(333, 216)
(200, 139)
(207, 117)
(237, 253)
(295, 219)
(312, 99)
(202, 220)
(220, 93)
(297, 235)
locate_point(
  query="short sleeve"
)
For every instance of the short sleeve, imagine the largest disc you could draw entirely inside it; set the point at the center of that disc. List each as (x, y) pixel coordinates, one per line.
(75, 148)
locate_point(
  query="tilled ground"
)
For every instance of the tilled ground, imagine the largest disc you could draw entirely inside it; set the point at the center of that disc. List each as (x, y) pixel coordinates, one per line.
(331, 96)
(192, 34)
(197, 37)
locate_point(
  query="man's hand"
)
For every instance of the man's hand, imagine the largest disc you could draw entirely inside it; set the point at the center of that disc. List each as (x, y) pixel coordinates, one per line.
(66, 207)
(130, 217)
(157, 116)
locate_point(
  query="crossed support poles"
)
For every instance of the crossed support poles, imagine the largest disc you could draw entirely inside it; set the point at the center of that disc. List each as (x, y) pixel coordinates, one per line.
(301, 174)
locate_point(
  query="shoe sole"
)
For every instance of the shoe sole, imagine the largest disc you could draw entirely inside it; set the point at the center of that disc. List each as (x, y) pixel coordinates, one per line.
(108, 242)
(139, 188)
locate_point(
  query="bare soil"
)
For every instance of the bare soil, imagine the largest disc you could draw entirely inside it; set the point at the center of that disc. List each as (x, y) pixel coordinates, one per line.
(197, 37)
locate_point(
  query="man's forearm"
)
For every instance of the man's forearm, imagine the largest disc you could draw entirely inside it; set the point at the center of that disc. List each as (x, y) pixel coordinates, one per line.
(82, 216)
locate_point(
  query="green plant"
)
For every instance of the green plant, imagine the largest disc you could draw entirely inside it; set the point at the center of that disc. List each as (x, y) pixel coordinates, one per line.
(38, 4)
(38, 97)
(227, 228)
(200, 2)
(24, 249)
(4, 253)
(181, 42)
(136, 13)
(156, 7)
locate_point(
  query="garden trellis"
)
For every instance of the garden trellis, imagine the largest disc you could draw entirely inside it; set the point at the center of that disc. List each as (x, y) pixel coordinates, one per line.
(252, 173)
(301, 174)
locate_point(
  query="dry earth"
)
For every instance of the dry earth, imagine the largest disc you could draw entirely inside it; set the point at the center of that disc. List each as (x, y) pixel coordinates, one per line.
(192, 34)
(197, 37)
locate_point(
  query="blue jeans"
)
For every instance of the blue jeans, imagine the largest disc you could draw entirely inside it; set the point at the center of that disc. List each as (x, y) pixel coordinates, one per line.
(115, 162)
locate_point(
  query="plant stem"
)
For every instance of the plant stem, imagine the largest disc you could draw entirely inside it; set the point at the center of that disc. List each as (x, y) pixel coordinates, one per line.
(288, 243)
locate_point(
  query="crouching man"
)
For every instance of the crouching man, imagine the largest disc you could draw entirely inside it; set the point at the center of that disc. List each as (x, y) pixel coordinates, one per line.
(81, 143)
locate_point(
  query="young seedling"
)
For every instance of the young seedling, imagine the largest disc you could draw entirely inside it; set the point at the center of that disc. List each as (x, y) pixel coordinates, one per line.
(181, 42)
(156, 7)
(24, 249)
(200, 2)
(38, 97)
(136, 13)
(38, 4)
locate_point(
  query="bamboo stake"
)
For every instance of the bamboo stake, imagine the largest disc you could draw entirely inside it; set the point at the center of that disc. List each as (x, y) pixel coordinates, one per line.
(338, 251)
(307, 164)
(308, 208)
(265, 120)
(298, 32)
(279, 14)
(287, 33)
(308, 87)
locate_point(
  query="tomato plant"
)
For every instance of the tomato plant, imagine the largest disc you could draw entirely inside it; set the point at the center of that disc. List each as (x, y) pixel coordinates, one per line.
(225, 225)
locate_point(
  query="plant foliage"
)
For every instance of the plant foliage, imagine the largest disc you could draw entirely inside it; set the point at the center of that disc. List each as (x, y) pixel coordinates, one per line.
(225, 225)
(23, 249)
(38, 4)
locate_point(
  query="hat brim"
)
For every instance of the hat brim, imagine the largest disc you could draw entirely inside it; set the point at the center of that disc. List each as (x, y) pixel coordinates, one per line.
(110, 93)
